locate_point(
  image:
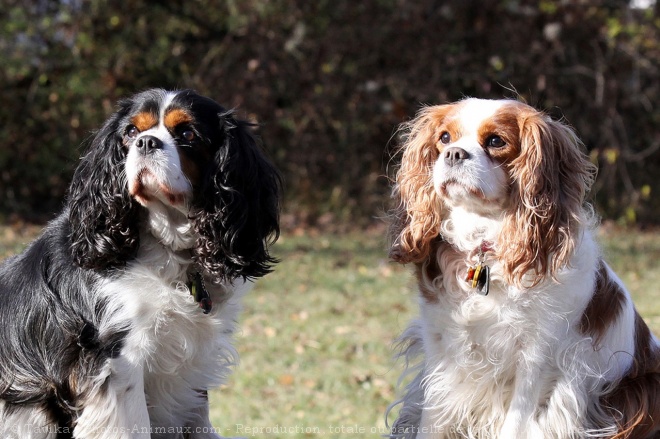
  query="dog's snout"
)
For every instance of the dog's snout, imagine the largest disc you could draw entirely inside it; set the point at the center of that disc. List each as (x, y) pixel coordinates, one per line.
(148, 144)
(455, 155)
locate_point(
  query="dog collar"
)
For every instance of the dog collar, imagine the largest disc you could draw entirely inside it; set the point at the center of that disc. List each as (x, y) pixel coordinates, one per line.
(478, 276)
(199, 292)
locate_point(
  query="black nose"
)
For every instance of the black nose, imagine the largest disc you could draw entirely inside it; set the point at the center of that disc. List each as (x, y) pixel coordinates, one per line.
(148, 144)
(455, 155)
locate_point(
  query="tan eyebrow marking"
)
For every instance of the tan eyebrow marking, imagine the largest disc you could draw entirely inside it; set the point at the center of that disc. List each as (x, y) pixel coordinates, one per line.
(176, 117)
(144, 120)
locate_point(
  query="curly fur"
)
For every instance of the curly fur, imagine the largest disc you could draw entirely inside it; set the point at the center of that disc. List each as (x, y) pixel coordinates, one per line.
(416, 217)
(556, 349)
(543, 194)
(236, 213)
(550, 179)
(100, 336)
(103, 216)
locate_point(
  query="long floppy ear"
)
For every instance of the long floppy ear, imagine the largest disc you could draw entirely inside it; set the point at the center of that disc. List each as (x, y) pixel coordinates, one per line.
(237, 214)
(551, 177)
(102, 215)
(417, 210)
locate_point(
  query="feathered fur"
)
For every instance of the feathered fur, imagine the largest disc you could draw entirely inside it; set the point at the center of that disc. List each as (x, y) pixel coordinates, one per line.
(101, 337)
(556, 348)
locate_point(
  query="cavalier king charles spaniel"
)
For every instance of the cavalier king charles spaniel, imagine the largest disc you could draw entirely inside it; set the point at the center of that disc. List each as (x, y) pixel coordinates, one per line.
(119, 318)
(524, 330)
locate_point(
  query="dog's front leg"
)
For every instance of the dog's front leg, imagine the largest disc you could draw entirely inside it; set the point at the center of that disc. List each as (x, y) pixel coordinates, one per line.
(201, 427)
(115, 407)
(428, 428)
(519, 421)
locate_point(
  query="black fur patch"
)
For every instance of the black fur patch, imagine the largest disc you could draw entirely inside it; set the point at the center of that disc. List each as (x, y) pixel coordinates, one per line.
(50, 342)
(50, 312)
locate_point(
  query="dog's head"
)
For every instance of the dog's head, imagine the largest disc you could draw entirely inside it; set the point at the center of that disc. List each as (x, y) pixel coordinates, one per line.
(181, 151)
(499, 159)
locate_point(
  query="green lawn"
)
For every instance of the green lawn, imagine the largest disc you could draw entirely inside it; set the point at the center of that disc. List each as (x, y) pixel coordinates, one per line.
(316, 340)
(316, 335)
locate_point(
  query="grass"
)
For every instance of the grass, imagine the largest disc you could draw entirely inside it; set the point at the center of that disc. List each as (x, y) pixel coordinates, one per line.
(317, 335)
(316, 340)
(14, 238)
(635, 257)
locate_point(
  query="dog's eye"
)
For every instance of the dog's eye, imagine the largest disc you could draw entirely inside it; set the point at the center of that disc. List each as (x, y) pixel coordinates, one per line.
(445, 138)
(132, 132)
(188, 135)
(495, 142)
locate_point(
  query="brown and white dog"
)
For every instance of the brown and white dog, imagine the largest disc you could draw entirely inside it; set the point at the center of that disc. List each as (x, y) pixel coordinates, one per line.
(524, 332)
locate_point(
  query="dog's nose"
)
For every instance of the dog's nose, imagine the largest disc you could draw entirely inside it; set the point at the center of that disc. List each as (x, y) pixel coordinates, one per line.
(148, 144)
(455, 155)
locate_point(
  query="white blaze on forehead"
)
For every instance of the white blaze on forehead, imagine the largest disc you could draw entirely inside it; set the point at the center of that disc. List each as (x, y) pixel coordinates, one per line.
(167, 100)
(473, 112)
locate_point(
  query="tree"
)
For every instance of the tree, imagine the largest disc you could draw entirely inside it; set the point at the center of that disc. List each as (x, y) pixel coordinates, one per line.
(328, 82)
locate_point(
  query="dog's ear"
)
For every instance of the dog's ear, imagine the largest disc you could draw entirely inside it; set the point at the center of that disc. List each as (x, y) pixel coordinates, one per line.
(550, 179)
(237, 212)
(102, 214)
(417, 210)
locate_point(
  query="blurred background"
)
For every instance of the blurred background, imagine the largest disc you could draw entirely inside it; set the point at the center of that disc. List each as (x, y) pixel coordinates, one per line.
(328, 81)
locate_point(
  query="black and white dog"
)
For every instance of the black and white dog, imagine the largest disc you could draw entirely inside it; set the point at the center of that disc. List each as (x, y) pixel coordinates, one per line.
(118, 319)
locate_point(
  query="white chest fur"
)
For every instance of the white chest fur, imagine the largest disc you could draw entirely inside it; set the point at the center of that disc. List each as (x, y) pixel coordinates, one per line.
(180, 350)
(492, 359)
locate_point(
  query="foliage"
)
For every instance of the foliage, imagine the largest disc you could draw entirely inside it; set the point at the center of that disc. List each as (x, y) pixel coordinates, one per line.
(329, 81)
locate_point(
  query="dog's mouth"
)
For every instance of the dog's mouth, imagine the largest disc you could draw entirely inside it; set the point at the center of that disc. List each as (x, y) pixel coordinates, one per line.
(456, 188)
(146, 188)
